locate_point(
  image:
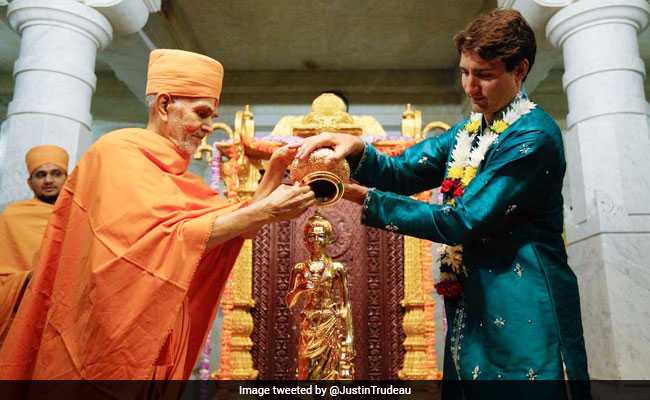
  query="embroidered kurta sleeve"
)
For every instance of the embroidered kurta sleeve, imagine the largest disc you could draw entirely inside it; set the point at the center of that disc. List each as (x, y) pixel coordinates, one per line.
(517, 172)
(421, 167)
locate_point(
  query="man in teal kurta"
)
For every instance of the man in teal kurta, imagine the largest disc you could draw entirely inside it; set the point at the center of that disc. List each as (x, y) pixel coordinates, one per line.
(518, 315)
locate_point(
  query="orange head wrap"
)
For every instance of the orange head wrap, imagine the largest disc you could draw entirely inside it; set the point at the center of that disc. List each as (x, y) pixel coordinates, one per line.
(46, 154)
(183, 73)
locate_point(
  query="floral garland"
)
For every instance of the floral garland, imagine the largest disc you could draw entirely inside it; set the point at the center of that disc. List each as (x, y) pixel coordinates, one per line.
(204, 365)
(204, 368)
(464, 163)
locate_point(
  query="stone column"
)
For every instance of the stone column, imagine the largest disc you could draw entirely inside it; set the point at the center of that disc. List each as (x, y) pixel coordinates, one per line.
(54, 82)
(607, 145)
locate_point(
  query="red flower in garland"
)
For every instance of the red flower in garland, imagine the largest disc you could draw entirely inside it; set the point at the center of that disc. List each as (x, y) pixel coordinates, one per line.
(458, 192)
(447, 185)
(449, 288)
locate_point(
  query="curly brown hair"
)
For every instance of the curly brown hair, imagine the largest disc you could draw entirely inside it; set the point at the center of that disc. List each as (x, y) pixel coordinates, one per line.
(500, 34)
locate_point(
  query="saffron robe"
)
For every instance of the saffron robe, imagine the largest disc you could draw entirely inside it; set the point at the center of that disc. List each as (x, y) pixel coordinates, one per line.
(519, 315)
(22, 225)
(124, 288)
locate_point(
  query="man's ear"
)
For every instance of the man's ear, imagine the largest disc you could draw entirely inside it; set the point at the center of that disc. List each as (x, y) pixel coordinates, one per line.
(163, 101)
(521, 70)
(29, 183)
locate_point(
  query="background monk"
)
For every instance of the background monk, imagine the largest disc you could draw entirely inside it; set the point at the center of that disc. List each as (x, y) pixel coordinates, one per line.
(22, 225)
(138, 249)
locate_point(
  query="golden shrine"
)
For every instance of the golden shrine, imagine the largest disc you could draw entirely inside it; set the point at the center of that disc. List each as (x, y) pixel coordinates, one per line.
(392, 301)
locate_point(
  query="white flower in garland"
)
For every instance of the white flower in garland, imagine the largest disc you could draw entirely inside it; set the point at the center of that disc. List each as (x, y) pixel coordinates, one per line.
(478, 154)
(462, 169)
(464, 141)
(520, 107)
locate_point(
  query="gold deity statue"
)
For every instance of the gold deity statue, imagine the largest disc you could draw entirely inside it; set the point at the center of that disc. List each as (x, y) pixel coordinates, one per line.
(326, 340)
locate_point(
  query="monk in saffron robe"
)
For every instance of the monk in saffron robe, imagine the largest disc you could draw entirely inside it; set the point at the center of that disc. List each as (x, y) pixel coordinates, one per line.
(138, 249)
(22, 225)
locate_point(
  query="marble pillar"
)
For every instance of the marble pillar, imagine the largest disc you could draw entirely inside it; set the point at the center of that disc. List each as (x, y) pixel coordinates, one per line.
(54, 82)
(608, 203)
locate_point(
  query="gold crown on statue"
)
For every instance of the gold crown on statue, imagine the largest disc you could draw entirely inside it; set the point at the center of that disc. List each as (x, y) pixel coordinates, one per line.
(325, 179)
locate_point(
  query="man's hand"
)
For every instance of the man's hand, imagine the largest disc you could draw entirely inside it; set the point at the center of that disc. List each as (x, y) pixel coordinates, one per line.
(281, 158)
(287, 202)
(343, 145)
(355, 193)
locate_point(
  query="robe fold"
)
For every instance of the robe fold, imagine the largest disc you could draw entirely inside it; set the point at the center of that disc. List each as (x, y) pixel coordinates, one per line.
(22, 225)
(124, 288)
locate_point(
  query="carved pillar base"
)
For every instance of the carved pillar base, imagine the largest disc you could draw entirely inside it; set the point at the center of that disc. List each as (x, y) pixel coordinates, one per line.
(241, 344)
(416, 361)
(428, 290)
(225, 365)
(236, 360)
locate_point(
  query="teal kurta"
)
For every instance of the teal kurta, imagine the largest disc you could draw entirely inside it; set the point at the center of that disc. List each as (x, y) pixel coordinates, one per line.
(519, 315)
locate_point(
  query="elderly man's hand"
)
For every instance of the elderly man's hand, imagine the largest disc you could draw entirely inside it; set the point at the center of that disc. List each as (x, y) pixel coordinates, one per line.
(343, 145)
(283, 203)
(281, 158)
(287, 202)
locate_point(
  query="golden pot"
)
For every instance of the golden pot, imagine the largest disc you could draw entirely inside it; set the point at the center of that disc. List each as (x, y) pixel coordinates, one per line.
(326, 180)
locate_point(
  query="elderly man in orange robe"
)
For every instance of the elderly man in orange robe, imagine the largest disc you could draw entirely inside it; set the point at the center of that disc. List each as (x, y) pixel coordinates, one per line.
(22, 225)
(138, 249)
